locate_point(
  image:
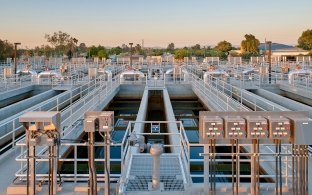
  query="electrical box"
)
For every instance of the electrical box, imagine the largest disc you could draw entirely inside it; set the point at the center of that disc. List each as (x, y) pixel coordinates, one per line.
(257, 127)
(279, 127)
(212, 128)
(41, 120)
(301, 131)
(235, 127)
(106, 121)
(91, 124)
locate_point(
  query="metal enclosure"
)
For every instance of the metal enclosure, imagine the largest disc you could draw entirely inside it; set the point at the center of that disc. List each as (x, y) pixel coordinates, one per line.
(235, 127)
(91, 124)
(302, 131)
(212, 128)
(279, 127)
(52, 118)
(106, 121)
(257, 127)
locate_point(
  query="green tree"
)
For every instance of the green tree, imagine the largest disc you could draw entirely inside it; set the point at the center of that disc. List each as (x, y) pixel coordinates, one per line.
(61, 41)
(170, 47)
(250, 44)
(102, 53)
(115, 50)
(224, 46)
(6, 50)
(305, 40)
(137, 49)
(196, 47)
(179, 54)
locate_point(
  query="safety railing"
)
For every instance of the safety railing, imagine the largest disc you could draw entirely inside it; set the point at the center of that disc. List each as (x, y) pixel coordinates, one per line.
(210, 91)
(15, 82)
(184, 155)
(71, 103)
(91, 96)
(266, 155)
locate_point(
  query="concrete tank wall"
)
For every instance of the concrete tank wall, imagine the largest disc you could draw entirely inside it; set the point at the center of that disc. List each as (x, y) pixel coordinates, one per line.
(25, 104)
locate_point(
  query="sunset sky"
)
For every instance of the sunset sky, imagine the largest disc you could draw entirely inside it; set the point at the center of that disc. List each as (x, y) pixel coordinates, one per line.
(158, 22)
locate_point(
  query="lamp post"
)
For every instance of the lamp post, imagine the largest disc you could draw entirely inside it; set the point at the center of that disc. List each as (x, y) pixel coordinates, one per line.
(131, 54)
(15, 49)
(269, 59)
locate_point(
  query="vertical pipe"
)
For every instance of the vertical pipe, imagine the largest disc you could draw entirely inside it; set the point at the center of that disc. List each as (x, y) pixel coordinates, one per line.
(252, 168)
(270, 61)
(293, 168)
(215, 167)
(307, 169)
(32, 169)
(233, 165)
(276, 167)
(92, 172)
(107, 163)
(155, 151)
(280, 166)
(237, 166)
(206, 169)
(258, 167)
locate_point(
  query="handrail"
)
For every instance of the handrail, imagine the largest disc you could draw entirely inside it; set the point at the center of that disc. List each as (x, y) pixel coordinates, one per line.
(184, 155)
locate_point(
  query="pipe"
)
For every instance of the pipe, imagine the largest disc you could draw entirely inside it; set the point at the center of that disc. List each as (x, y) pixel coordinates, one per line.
(107, 163)
(92, 172)
(156, 150)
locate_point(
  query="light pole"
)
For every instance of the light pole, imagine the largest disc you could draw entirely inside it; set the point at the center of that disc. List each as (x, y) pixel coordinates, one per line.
(15, 49)
(131, 54)
(269, 58)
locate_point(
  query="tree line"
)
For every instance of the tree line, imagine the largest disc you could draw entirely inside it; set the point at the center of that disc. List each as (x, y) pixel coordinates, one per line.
(62, 44)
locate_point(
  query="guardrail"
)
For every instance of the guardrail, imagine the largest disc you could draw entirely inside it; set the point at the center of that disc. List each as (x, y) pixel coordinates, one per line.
(70, 103)
(184, 155)
(93, 94)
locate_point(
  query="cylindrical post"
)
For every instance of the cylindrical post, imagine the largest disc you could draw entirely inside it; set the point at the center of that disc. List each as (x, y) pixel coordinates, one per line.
(206, 169)
(107, 164)
(156, 150)
(92, 171)
(270, 61)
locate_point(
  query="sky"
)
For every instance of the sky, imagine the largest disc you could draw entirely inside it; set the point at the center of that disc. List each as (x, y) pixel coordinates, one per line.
(157, 22)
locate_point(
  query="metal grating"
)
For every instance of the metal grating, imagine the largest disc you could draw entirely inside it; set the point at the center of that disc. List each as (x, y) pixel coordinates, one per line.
(141, 173)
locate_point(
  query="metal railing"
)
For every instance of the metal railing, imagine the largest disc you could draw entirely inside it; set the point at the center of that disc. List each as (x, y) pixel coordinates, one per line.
(71, 103)
(127, 153)
(15, 82)
(93, 95)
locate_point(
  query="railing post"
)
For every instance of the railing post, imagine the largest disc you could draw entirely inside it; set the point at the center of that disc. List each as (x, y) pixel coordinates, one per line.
(75, 163)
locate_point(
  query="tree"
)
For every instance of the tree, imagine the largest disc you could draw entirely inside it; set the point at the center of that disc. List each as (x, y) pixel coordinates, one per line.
(305, 40)
(137, 49)
(6, 50)
(170, 48)
(115, 50)
(180, 54)
(250, 44)
(102, 53)
(82, 48)
(224, 46)
(61, 41)
(196, 47)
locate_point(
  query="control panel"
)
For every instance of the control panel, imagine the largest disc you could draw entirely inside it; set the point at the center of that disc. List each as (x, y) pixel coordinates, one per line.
(235, 127)
(99, 121)
(91, 124)
(279, 127)
(106, 121)
(257, 127)
(213, 128)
